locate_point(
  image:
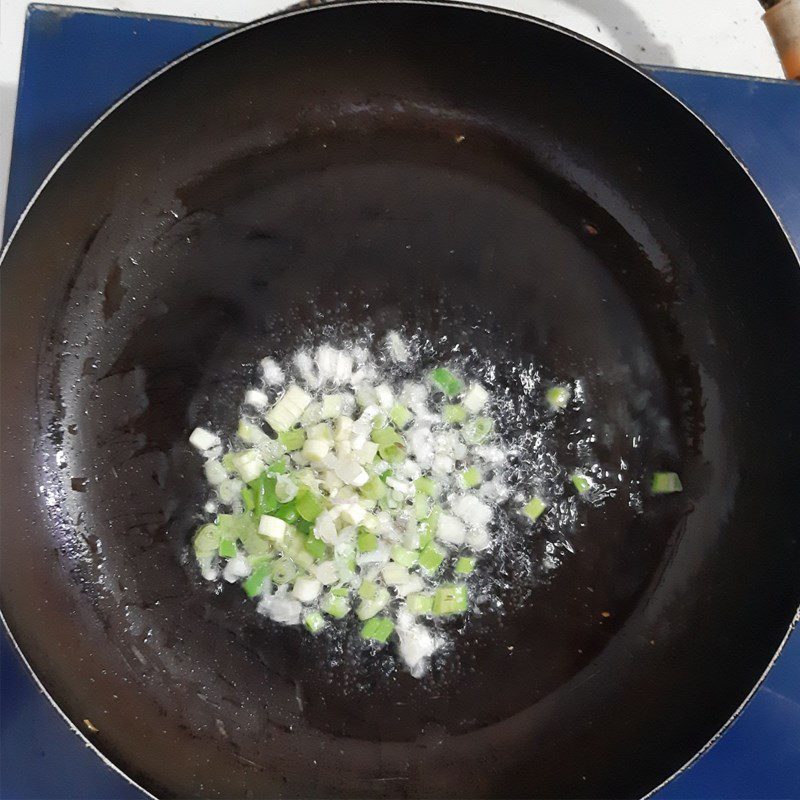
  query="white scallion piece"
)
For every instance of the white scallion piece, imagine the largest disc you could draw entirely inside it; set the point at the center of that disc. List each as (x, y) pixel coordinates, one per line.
(256, 399)
(272, 527)
(475, 398)
(215, 472)
(451, 530)
(306, 590)
(203, 439)
(288, 410)
(273, 374)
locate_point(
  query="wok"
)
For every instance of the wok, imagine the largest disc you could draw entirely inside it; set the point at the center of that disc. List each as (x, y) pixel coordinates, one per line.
(484, 177)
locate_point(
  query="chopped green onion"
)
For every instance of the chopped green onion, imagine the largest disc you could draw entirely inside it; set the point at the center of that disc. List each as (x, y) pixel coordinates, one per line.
(404, 556)
(465, 565)
(304, 526)
(431, 557)
(454, 414)
(292, 439)
(288, 410)
(335, 606)
(581, 482)
(368, 590)
(400, 415)
(277, 467)
(471, 477)
(314, 621)
(234, 526)
(250, 434)
(378, 629)
(283, 570)
(422, 506)
(558, 397)
(370, 607)
(366, 541)
(666, 483)
(393, 453)
(373, 489)
(227, 548)
(425, 485)
(254, 544)
(206, 541)
(248, 498)
(266, 501)
(308, 505)
(450, 599)
(385, 436)
(534, 508)
(252, 586)
(478, 430)
(447, 382)
(287, 512)
(340, 591)
(419, 603)
(316, 547)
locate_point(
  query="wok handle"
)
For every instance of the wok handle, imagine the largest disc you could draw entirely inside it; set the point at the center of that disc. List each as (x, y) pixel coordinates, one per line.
(782, 18)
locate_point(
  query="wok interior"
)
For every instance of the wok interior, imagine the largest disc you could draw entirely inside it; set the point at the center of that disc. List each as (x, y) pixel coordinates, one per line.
(412, 195)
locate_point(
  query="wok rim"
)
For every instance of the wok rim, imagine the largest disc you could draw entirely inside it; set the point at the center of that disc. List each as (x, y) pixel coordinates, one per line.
(464, 5)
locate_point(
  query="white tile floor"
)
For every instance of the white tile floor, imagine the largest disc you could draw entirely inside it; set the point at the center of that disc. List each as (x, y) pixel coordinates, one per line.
(717, 35)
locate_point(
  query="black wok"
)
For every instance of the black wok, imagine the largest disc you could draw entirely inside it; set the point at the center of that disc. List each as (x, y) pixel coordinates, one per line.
(490, 179)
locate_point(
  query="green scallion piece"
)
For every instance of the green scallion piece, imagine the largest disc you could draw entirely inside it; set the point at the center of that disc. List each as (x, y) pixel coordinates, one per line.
(558, 397)
(384, 437)
(206, 541)
(404, 556)
(277, 467)
(425, 485)
(378, 629)
(248, 498)
(304, 526)
(581, 482)
(308, 506)
(292, 439)
(314, 621)
(227, 548)
(335, 606)
(478, 430)
(287, 512)
(368, 590)
(666, 483)
(534, 508)
(431, 557)
(447, 382)
(252, 586)
(454, 414)
(233, 526)
(373, 489)
(263, 488)
(422, 506)
(400, 415)
(393, 453)
(450, 599)
(366, 541)
(340, 591)
(283, 570)
(419, 603)
(471, 477)
(316, 547)
(254, 544)
(465, 565)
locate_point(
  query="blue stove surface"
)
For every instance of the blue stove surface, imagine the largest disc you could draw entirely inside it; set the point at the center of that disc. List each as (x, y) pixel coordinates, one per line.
(75, 64)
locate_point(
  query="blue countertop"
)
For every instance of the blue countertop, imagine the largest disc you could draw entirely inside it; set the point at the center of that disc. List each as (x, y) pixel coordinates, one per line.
(75, 64)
